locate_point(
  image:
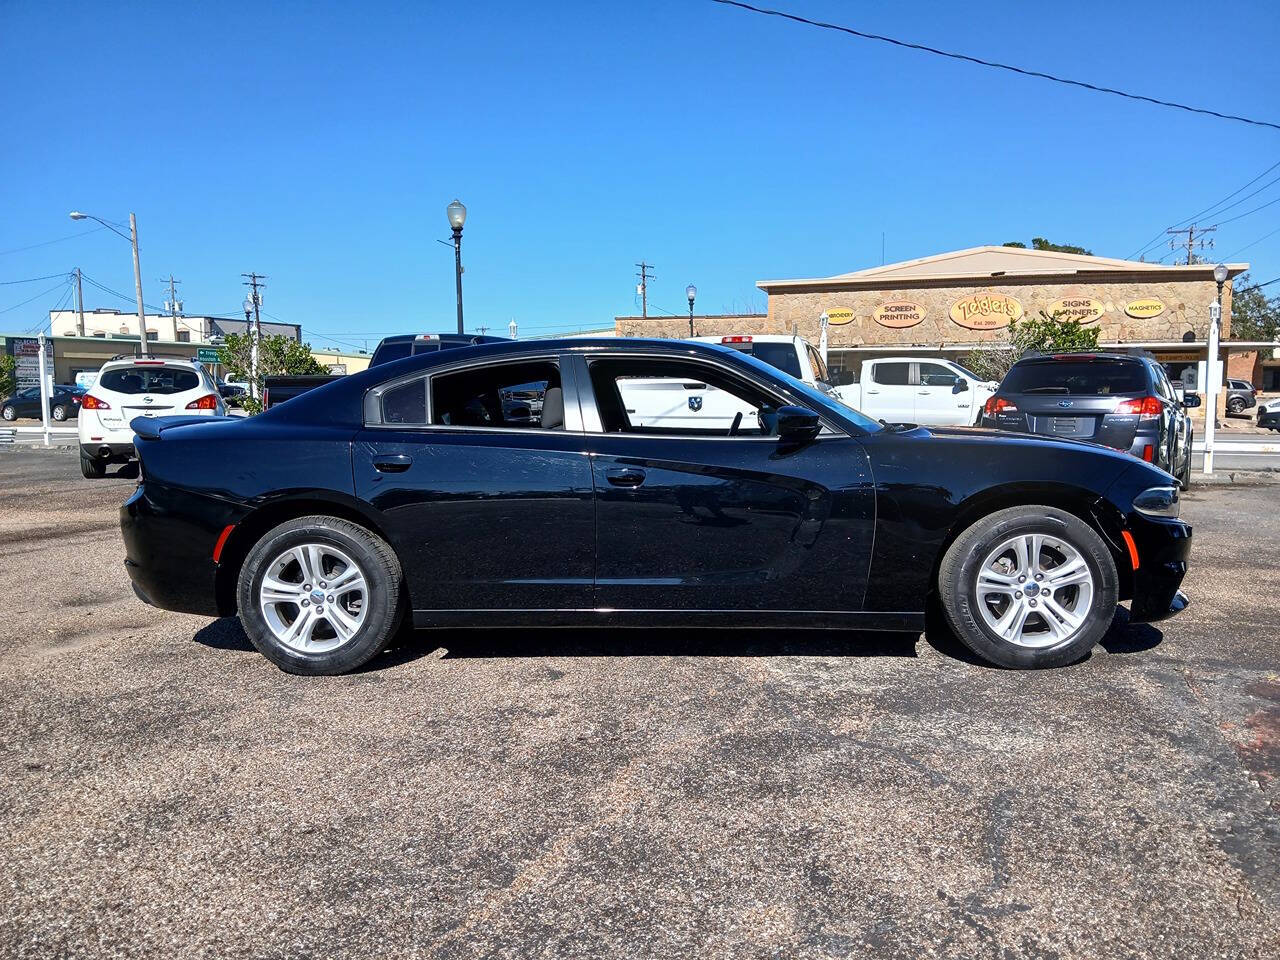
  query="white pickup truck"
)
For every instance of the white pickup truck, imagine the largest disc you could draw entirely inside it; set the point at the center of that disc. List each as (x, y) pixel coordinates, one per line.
(929, 391)
(894, 389)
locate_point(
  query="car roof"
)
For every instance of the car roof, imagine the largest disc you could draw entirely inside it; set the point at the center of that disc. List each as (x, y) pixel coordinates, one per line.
(153, 361)
(1084, 355)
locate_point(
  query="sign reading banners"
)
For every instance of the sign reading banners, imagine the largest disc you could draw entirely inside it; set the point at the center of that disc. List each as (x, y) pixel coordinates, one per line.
(1146, 307)
(839, 317)
(1080, 309)
(899, 313)
(986, 311)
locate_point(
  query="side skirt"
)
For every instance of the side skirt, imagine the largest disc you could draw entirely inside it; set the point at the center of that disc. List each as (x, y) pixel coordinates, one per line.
(894, 621)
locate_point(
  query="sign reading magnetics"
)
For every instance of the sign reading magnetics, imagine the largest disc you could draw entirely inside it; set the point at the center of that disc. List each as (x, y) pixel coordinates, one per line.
(839, 317)
(1146, 307)
(207, 354)
(899, 313)
(986, 311)
(1080, 309)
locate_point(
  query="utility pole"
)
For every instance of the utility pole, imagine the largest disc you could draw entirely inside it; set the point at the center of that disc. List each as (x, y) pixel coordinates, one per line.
(643, 287)
(172, 304)
(144, 346)
(1191, 242)
(254, 303)
(80, 301)
(482, 330)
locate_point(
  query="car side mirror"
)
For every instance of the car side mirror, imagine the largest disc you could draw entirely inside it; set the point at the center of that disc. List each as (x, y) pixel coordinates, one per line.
(960, 386)
(797, 424)
(1191, 401)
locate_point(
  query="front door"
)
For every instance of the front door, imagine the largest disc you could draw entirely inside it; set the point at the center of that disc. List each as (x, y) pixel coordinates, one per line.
(484, 493)
(722, 519)
(937, 402)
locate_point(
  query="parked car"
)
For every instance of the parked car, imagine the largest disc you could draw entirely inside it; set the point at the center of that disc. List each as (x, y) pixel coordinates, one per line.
(232, 393)
(403, 490)
(1120, 401)
(64, 403)
(132, 389)
(1240, 396)
(276, 390)
(928, 391)
(1269, 415)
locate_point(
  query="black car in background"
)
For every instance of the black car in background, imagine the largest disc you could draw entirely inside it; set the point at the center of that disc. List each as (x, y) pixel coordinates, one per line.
(1118, 400)
(64, 403)
(422, 489)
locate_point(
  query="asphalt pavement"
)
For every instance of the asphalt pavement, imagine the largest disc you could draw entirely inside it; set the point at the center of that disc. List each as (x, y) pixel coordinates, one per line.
(169, 793)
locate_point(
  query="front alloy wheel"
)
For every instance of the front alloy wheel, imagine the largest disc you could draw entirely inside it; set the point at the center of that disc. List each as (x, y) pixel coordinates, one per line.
(1030, 586)
(9, 413)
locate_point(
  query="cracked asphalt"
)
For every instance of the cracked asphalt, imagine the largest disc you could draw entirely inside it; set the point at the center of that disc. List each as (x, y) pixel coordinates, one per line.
(166, 792)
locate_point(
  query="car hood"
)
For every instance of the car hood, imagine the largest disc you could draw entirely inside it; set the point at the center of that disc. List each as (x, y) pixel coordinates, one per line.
(1008, 438)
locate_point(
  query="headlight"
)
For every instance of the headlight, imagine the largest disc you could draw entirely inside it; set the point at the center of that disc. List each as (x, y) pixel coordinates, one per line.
(1157, 502)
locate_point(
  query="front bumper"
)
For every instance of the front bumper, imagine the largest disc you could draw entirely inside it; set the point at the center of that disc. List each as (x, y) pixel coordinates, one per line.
(1163, 547)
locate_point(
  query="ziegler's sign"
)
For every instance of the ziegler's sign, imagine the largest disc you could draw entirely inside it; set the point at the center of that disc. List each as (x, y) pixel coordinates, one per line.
(899, 314)
(1082, 309)
(986, 311)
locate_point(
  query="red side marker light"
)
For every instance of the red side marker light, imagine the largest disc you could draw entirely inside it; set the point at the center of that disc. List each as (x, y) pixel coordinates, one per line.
(1133, 548)
(226, 532)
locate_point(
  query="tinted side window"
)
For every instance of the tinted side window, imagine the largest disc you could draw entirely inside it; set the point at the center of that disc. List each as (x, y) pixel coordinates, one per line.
(936, 375)
(406, 403)
(521, 395)
(891, 374)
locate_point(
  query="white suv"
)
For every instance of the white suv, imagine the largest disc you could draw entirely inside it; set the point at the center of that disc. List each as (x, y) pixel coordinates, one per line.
(129, 387)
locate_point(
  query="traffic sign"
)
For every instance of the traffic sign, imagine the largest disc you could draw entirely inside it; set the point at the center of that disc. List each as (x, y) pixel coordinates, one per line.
(207, 354)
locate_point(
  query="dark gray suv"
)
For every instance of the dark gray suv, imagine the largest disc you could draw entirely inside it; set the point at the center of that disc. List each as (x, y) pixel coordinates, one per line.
(1116, 400)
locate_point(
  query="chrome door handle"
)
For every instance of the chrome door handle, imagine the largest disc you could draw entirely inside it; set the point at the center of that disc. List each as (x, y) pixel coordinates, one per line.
(397, 463)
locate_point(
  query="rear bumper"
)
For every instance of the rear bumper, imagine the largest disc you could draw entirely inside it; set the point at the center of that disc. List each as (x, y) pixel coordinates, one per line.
(1163, 547)
(168, 559)
(107, 452)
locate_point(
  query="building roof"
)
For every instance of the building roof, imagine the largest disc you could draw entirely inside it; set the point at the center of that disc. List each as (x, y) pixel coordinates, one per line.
(988, 263)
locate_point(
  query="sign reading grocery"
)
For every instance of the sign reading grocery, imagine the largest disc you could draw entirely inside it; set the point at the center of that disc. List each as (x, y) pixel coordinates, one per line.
(986, 311)
(838, 318)
(1146, 307)
(1080, 309)
(899, 313)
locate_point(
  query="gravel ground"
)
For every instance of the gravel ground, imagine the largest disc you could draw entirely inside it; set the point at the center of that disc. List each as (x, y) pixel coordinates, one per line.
(168, 793)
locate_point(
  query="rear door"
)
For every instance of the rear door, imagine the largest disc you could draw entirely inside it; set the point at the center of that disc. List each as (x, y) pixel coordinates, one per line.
(486, 508)
(887, 393)
(693, 519)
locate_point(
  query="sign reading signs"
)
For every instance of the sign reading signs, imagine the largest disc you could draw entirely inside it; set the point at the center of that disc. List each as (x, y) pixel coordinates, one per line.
(1146, 307)
(839, 317)
(986, 311)
(899, 313)
(1080, 309)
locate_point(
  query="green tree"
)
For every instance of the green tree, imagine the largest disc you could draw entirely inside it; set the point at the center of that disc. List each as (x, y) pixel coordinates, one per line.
(1039, 334)
(277, 356)
(1253, 315)
(1040, 243)
(8, 375)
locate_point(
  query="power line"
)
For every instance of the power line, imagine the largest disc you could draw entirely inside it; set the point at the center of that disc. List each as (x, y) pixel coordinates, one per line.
(82, 233)
(995, 64)
(1252, 243)
(48, 318)
(1247, 212)
(45, 293)
(9, 283)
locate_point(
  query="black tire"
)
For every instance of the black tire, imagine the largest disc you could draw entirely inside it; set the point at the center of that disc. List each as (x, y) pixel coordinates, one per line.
(1235, 405)
(91, 468)
(59, 413)
(376, 561)
(957, 585)
(9, 413)
(1184, 475)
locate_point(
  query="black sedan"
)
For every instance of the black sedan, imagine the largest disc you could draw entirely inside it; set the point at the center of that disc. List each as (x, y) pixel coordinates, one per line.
(405, 491)
(64, 403)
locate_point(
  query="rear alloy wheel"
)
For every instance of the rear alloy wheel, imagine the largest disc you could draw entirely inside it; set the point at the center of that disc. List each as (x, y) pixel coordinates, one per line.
(1029, 586)
(319, 595)
(1235, 405)
(91, 468)
(9, 413)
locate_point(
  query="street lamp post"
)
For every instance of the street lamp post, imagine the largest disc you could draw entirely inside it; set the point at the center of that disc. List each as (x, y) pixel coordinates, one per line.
(1211, 369)
(457, 217)
(144, 349)
(691, 291)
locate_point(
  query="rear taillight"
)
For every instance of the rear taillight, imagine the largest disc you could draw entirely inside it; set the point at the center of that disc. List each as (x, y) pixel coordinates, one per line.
(1147, 408)
(208, 402)
(735, 339)
(996, 405)
(90, 402)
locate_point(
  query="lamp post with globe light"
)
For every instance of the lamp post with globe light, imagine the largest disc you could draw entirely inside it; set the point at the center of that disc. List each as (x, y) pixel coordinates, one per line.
(691, 291)
(457, 217)
(1211, 381)
(143, 348)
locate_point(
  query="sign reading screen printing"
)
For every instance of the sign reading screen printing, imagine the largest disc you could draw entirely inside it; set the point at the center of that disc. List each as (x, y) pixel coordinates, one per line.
(839, 317)
(899, 314)
(1080, 309)
(986, 311)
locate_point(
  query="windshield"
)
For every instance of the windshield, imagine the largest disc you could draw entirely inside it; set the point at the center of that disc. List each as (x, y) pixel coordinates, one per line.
(1077, 377)
(158, 380)
(815, 398)
(781, 356)
(967, 372)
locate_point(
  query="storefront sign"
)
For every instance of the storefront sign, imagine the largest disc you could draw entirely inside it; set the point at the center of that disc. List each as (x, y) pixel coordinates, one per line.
(1080, 309)
(838, 318)
(26, 355)
(899, 313)
(1146, 307)
(986, 311)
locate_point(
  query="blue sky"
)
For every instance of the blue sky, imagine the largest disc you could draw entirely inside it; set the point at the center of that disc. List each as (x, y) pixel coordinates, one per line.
(320, 144)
